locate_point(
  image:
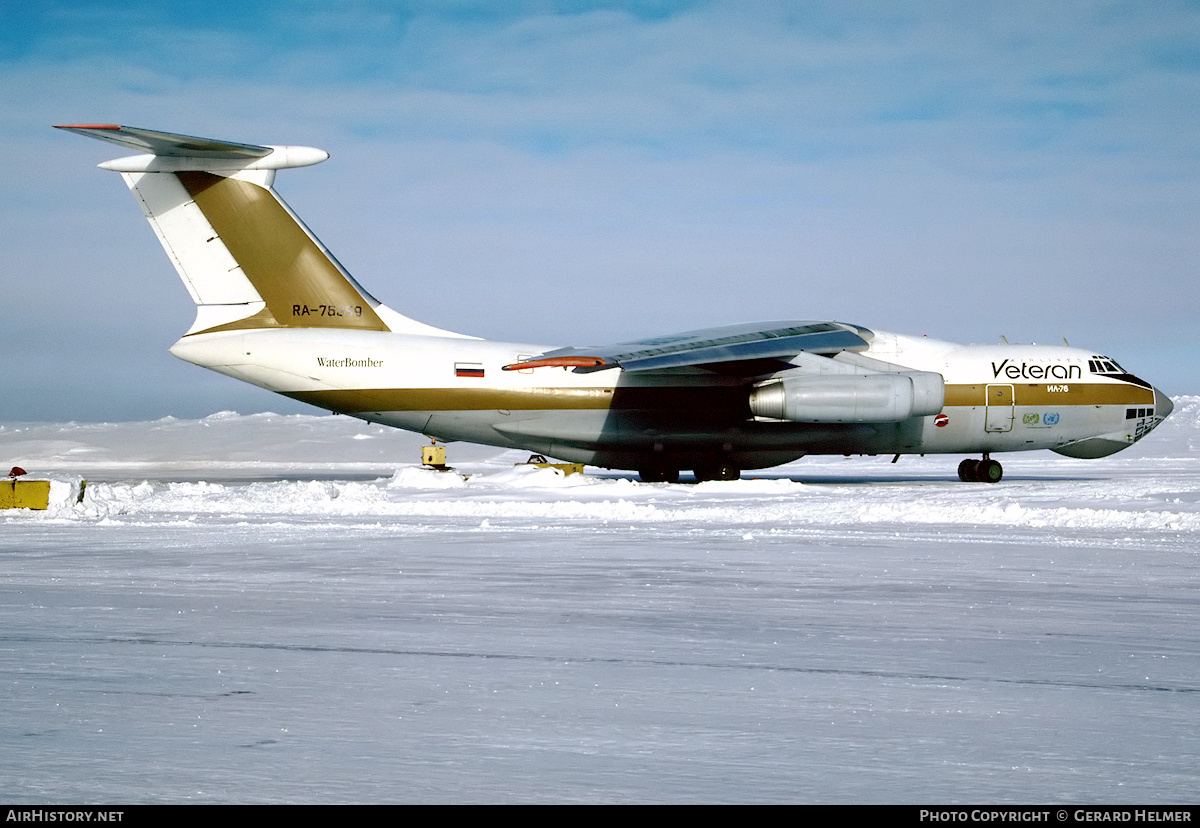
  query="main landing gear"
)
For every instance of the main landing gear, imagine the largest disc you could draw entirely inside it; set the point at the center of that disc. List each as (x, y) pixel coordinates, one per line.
(986, 470)
(717, 471)
(709, 471)
(659, 474)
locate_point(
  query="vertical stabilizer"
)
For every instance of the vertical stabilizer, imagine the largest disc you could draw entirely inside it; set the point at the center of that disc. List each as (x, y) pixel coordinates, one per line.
(246, 259)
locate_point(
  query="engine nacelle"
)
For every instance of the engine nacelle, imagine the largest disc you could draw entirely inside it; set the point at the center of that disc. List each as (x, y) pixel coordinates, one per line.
(850, 398)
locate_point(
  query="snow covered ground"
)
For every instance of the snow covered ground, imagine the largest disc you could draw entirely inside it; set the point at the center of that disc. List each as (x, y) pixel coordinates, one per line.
(276, 608)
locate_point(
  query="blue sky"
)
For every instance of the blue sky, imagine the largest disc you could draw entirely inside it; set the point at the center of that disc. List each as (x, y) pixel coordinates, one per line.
(577, 173)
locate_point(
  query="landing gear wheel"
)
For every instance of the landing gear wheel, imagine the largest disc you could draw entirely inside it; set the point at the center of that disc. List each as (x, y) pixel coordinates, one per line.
(967, 470)
(986, 470)
(989, 471)
(659, 474)
(717, 471)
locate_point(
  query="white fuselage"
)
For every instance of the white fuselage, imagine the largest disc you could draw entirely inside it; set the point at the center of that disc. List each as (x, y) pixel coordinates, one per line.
(997, 398)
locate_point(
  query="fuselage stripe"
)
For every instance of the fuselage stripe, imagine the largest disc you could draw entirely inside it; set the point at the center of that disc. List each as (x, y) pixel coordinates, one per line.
(1043, 394)
(708, 399)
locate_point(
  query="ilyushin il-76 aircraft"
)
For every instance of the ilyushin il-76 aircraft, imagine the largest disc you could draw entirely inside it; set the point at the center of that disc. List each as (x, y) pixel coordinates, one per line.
(275, 308)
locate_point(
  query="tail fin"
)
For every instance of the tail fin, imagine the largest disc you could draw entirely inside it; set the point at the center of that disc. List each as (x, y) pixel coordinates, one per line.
(246, 259)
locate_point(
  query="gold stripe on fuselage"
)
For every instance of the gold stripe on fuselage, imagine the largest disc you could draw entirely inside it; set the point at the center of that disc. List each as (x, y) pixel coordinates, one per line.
(457, 399)
(1042, 394)
(709, 402)
(702, 402)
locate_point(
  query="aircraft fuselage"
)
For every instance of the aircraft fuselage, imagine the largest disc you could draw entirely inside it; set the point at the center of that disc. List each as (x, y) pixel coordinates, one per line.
(998, 398)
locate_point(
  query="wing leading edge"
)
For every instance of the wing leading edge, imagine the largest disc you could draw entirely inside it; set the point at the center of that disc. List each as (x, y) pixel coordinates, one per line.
(731, 343)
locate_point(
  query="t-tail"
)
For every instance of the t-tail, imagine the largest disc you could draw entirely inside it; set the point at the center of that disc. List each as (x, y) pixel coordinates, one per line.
(246, 259)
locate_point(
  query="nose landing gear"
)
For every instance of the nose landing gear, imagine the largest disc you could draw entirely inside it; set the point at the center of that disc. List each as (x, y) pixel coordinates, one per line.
(986, 470)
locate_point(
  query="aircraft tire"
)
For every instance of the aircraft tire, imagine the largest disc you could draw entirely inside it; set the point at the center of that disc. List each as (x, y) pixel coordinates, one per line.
(659, 474)
(989, 471)
(968, 470)
(717, 471)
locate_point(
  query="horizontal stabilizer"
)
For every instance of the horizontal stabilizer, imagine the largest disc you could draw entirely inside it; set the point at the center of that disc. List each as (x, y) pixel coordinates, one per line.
(171, 152)
(167, 144)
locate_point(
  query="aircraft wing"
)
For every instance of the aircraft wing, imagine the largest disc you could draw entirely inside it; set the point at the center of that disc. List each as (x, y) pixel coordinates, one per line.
(167, 144)
(731, 343)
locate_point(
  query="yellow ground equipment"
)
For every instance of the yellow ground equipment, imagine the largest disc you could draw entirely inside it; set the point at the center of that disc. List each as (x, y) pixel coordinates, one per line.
(24, 494)
(541, 462)
(434, 457)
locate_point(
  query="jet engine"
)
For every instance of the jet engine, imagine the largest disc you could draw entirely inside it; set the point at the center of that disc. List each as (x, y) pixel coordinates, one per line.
(850, 398)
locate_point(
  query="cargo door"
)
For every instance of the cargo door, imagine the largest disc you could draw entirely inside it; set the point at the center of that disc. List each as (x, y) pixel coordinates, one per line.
(1001, 408)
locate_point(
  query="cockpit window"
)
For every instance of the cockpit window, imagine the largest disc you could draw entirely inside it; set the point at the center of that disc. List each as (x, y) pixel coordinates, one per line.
(1104, 365)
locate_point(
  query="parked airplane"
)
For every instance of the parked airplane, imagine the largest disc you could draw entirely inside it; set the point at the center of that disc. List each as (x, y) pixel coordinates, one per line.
(276, 309)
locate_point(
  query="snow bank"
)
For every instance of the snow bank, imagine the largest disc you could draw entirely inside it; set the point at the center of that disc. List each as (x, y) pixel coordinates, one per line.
(545, 496)
(1154, 487)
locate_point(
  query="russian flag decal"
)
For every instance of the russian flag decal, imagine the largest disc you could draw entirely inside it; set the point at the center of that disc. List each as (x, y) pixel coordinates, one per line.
(468, 369)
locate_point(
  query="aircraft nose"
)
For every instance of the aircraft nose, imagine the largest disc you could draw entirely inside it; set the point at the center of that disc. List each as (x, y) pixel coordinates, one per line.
(1162, 405)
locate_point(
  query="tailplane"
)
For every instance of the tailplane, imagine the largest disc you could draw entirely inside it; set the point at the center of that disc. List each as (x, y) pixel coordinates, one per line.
(246, 259)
